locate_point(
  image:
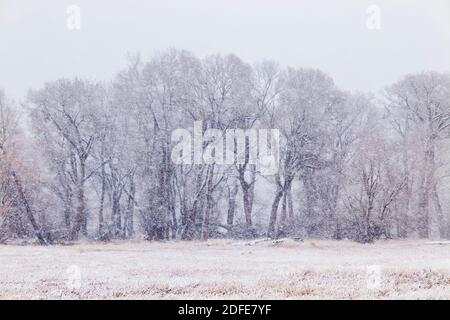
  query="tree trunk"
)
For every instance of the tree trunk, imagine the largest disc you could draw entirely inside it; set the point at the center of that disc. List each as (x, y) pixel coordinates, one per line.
(101, 221)
(28, 211)
(81, 206)
(310, 215)
(129, 223)
(422, 214)
(231, 204)
(273, 213)
(247, 207)
(425, 192)
(188, 230)
(404, 212)
(116, 214)
(290, 203)
(68, 208)
(209, 206)
(284, 208)
(172, 210)
(442, 219)
(403, 222)
(283, 220)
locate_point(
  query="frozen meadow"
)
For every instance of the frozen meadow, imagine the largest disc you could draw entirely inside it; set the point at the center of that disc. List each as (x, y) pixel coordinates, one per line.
(222, 269)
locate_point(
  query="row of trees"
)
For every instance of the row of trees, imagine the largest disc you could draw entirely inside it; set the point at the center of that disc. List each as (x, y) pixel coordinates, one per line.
(94, 160)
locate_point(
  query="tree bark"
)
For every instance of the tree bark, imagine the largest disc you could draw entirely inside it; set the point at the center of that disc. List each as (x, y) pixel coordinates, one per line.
(231, 204)
(81, 206)
(209, 206)
(273, 213)
(188, 232)
(116, 214)
(129, 224)
(247, 194)
(101, 220)
(290, 203)
(28, 210)
(425, 192)
(442, 220)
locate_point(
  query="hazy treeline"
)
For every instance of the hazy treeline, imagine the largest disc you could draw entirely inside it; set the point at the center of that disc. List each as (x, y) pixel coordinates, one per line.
(82, 159)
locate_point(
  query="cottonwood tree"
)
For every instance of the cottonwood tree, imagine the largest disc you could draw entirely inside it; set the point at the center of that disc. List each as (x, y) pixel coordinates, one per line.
(419, 105)
(344, 170)
(223, 87)
(374, 185)
(306, 99)
(252, 106)
(155, 93)
(65, 118)
(115, 157)
(15, 197)
(323, 187)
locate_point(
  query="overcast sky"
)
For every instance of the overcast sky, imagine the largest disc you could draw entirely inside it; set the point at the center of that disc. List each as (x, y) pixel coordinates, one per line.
(36, 45)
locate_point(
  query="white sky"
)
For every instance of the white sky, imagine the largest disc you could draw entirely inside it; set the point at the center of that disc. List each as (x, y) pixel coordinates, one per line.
(36, 46)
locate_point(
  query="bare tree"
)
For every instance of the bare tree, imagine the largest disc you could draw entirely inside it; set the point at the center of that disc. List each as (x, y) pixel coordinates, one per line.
(420, 105)
(344, 169)
(16, 196)
(301, 112)
(65, 115)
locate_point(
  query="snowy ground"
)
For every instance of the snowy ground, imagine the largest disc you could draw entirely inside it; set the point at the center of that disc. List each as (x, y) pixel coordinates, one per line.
(223, 269)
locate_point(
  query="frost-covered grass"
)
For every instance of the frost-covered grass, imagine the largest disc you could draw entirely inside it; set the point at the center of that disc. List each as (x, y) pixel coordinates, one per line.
(222, 269)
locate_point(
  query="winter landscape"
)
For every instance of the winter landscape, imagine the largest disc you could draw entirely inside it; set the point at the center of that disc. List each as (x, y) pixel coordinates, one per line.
(190, 173)
(225, 269)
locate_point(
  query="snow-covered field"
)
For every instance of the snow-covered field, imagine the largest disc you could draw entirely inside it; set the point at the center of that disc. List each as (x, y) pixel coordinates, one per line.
(222, 269)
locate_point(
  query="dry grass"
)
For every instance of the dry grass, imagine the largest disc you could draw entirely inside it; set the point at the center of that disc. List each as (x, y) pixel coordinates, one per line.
(224, 269)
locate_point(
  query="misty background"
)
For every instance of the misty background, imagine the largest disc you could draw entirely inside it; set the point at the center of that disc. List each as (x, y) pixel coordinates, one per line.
(36, 46)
